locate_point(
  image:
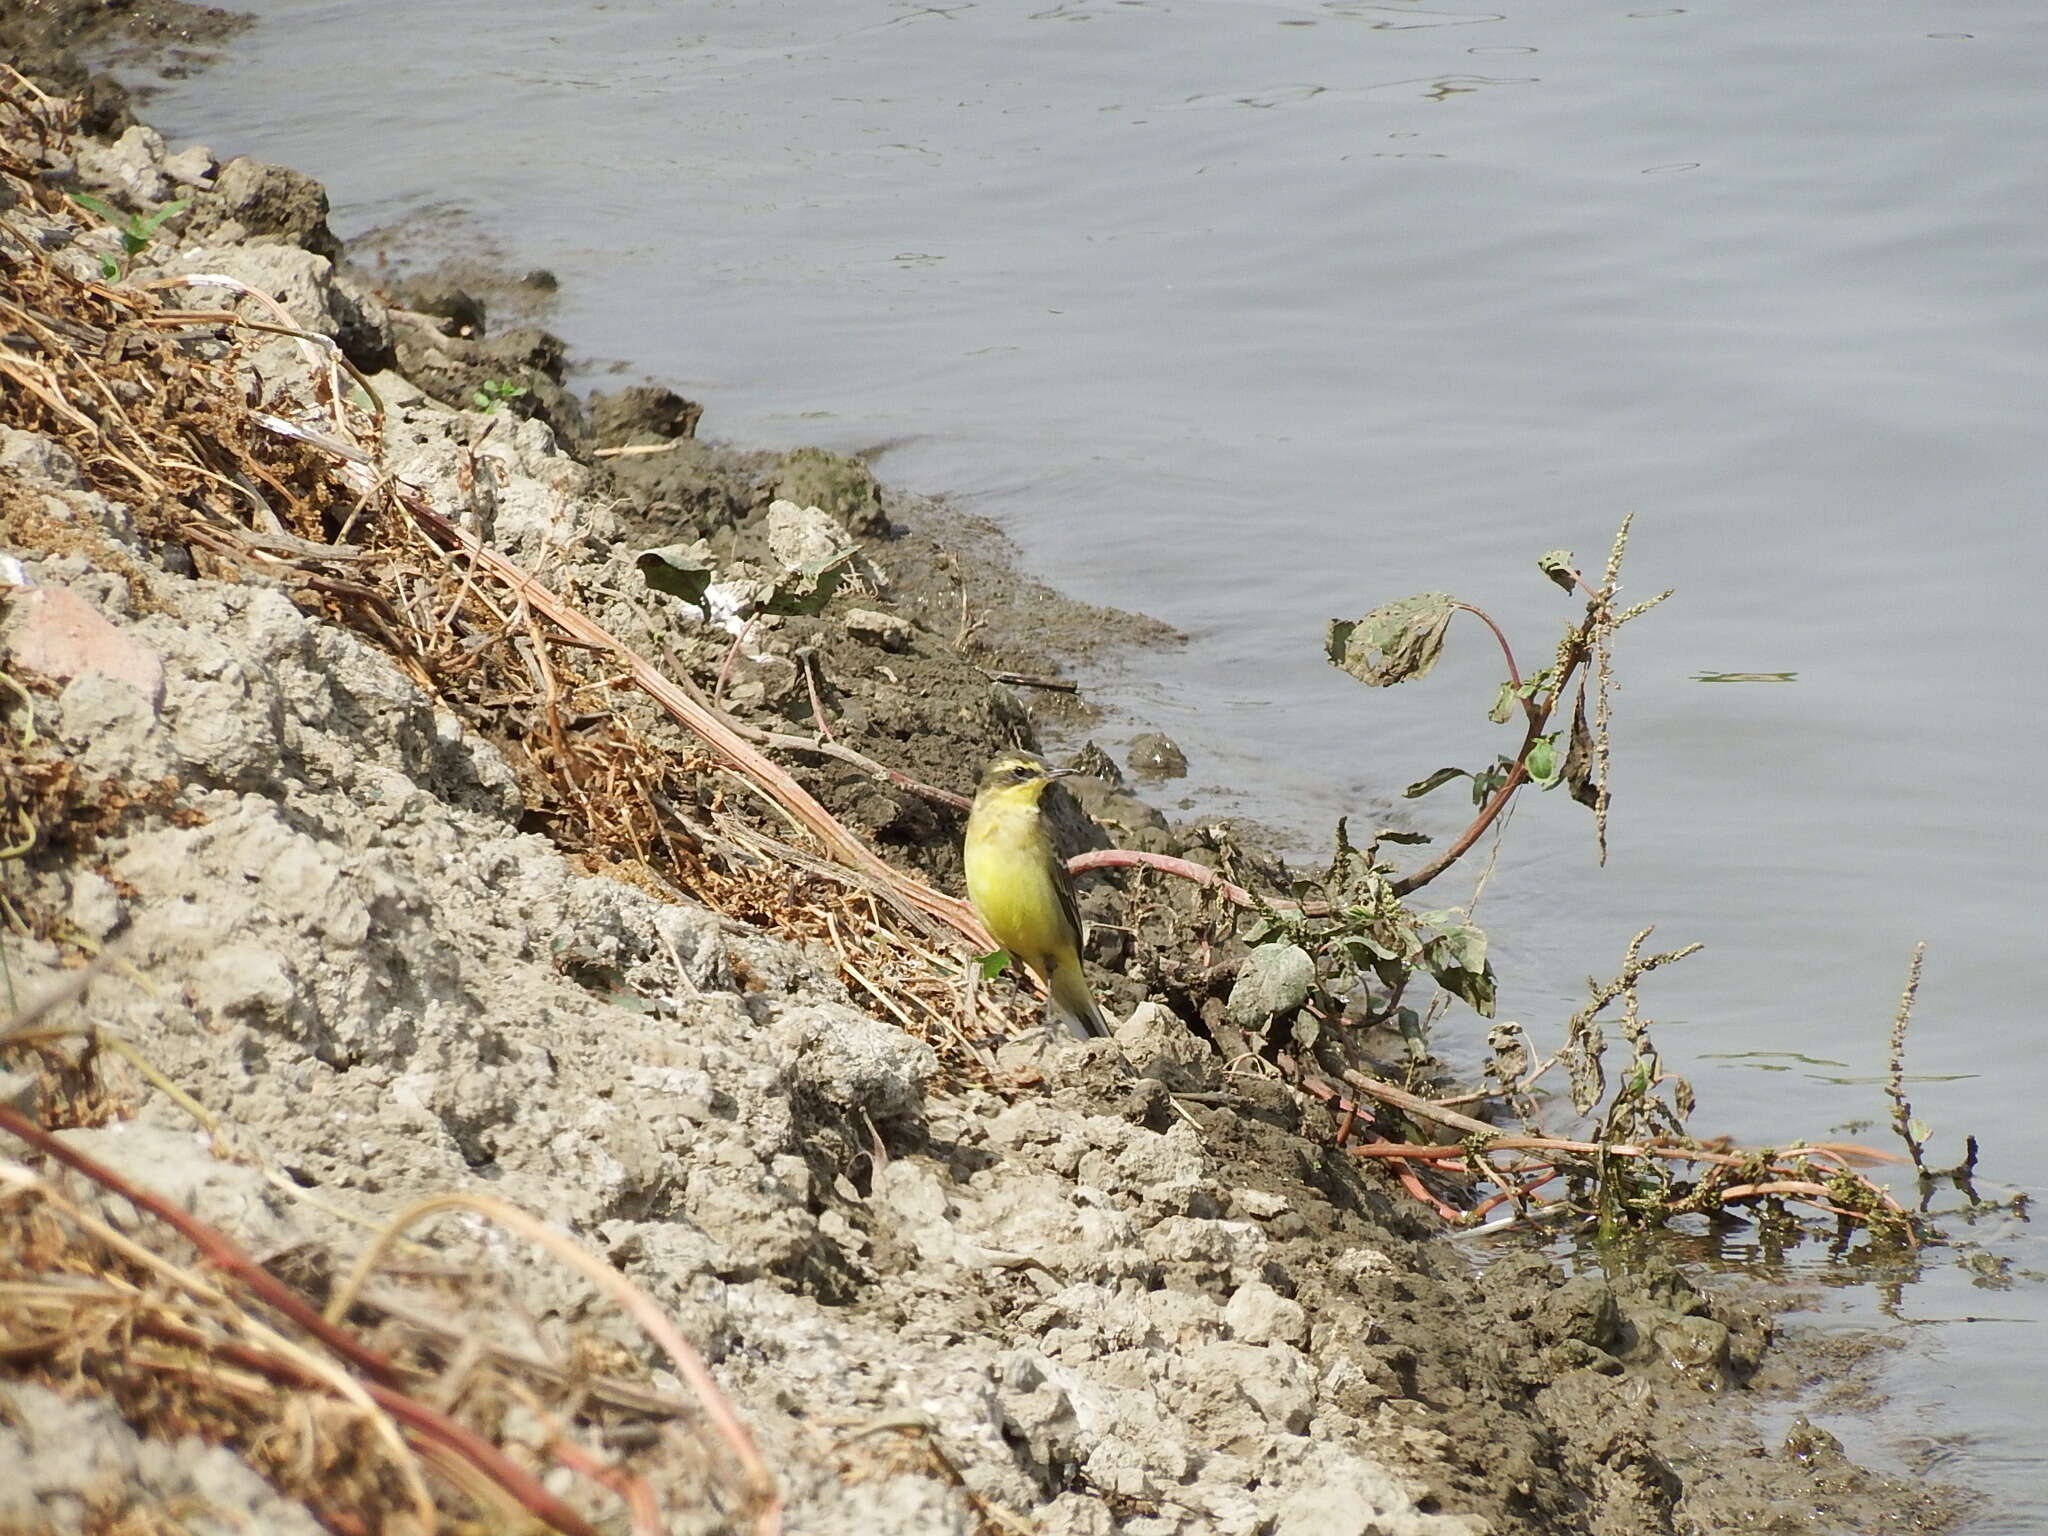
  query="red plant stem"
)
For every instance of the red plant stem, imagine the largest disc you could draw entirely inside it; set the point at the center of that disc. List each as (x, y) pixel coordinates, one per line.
(1514, 677)
(1414, 880)
(1514, 1192)
(1187, 869)
(1412, 1182)
(1538, 718)
(223, 1253)
(415, 1415)
(220, 1251)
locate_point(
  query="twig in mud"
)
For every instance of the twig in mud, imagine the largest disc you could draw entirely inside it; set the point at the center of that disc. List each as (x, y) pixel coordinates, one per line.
(1026, 680)
(636, 450)
(732, 655)
(807, 661)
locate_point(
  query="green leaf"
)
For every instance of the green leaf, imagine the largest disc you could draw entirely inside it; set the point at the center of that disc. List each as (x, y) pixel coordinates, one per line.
(1487, 780)
(149, 226)
(1436, 780)
(1557, 565)
(1457, 959)
(681, 570)
(1364, 951)
(98, 205)
(1503, 704)
(993, 964)
(109, 268)
(1919, 1130)
(1394, 643)
(1544, 768)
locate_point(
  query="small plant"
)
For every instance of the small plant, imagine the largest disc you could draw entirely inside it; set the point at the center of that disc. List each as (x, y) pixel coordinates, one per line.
(136, 230)
(1350, 932)
(494, 393)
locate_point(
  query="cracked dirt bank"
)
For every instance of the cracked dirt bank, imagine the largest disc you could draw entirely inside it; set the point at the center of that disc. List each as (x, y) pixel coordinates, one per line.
(372, 915)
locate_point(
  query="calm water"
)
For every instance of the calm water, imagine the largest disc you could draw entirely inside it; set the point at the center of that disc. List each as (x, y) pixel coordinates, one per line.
(1247, 315)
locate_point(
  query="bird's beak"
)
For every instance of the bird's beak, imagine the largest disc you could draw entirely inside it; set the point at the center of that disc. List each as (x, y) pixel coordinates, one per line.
(1061, 773)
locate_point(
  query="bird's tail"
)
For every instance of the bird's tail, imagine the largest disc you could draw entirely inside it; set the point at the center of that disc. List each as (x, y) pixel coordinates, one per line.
(1072, 1000)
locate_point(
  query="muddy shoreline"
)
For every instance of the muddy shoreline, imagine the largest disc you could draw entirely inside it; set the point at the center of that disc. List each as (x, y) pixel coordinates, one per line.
(1222, 1326)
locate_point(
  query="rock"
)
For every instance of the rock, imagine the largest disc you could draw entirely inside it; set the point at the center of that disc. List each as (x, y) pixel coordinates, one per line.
(1158, 757)
(1357, 1498)
(1258, 1314)
(1697, 1348)
(1159, 1044)
(252, 199)
(529, 346)
(362, 323)
(880, 629)
(1583, 1308)
(858, 1064)
(191, 167)
(448, 301)
(75, 1465)
(54, 631)
(177, 1165)
(623, 416)
(1810, 1445)
(842, 486)
(525, 359)
(33, 457)
(130, 167)
(95, 907)
(300, 280)
(1272, 983)
(1094, 763)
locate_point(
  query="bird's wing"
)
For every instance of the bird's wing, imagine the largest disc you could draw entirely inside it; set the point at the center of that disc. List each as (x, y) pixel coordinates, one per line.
(1056, 870)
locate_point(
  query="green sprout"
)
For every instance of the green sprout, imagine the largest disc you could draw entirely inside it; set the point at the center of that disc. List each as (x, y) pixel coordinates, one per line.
(136, 230)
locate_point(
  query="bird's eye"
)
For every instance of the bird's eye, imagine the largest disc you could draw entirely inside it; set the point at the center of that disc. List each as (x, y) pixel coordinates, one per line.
(1023, 773)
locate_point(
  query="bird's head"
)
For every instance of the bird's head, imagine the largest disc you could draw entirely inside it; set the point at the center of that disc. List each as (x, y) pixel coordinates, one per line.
(1016, 777)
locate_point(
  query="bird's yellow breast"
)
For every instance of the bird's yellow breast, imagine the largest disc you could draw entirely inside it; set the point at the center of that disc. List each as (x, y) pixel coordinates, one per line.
(1010, 880)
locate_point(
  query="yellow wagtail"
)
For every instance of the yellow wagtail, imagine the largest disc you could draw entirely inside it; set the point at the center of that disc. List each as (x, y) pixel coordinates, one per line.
(1018, 883)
